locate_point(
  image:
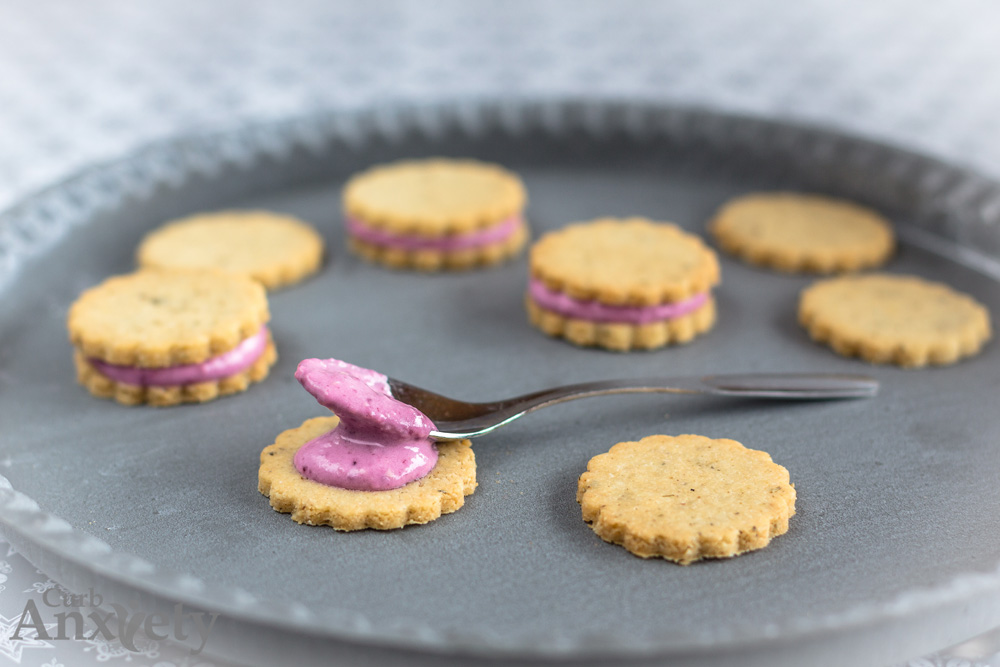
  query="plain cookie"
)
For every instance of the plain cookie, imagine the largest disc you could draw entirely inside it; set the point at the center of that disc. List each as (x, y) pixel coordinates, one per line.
(686, 497)
(894, 319)
(277, 250)
(803, 233)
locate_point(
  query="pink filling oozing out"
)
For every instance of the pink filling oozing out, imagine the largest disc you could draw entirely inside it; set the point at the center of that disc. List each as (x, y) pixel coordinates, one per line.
(481, 237)
(228, 363)
(594, 311)
(379, 444)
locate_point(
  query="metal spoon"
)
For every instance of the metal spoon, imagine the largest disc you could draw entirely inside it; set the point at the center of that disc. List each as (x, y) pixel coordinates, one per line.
(458, 419)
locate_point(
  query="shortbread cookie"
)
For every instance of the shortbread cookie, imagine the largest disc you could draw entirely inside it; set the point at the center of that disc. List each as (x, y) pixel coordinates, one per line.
(171, 336)
(803, 233)
(278, 250)
(441, 491)
(894, 319)
(435, 214)
(686, 497)
(622, 284)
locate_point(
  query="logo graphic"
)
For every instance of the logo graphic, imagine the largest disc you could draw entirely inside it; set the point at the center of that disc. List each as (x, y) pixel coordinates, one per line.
(76, 611)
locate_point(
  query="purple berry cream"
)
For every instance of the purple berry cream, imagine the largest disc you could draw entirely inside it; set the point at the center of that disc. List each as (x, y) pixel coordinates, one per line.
(379, 443)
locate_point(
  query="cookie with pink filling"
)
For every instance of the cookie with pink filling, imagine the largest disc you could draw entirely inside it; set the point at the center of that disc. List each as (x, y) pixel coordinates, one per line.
(373, 465)
(435, 214)
(622, 284)
(165, 337)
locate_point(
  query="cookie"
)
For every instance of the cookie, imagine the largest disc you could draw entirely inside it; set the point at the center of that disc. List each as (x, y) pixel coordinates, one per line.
(686, 497)
(622, 284)
(441, 491)
(894, 319)
(803, 233)
(435, 214)
(165, 337)
(277, 250)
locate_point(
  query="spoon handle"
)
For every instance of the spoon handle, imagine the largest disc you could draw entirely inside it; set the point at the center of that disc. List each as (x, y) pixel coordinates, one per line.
(807, 386)
(792, 385)
(800, 386)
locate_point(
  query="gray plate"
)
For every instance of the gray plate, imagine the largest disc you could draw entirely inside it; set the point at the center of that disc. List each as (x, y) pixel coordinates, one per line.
(894, 550)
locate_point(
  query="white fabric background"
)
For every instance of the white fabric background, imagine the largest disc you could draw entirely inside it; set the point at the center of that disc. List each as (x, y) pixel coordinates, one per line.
(82, 82)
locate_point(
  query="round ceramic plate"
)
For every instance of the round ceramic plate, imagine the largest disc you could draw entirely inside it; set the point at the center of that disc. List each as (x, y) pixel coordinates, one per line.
(893, 552)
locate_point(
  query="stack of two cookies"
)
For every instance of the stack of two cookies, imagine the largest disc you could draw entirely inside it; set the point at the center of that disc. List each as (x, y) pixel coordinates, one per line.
(435, 214)
(191, 324)
(622, 284)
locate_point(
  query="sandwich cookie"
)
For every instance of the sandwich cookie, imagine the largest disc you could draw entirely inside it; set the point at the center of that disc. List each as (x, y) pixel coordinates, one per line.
(622, 284)
(435, 214)
(165, 337)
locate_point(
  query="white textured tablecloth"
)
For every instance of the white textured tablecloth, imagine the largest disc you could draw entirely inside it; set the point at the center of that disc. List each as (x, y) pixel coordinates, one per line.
(86, 81)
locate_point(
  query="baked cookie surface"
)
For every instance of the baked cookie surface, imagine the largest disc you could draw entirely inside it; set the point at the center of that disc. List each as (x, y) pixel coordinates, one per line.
(441, 491)
(435, 196)
(171, 336)
(686, 497)
(435, 214)
(803, 233)
(897, 319)
(277, 250)
(622, 284)
(624, 262)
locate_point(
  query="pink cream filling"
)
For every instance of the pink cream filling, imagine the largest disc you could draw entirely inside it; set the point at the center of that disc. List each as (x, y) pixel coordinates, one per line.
(379, 444)
(594, 311)
(481, 237)
(228, 363)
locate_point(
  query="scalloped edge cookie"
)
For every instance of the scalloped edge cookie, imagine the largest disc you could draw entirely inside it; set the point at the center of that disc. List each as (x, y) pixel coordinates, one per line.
(894, 319)
(275, 249)
(622, 284)
(803, 233)
(194, 315)
(442, 491)
(624, 262)
(620, 336)
(686, 497)
(102, 386)
(374, 196)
